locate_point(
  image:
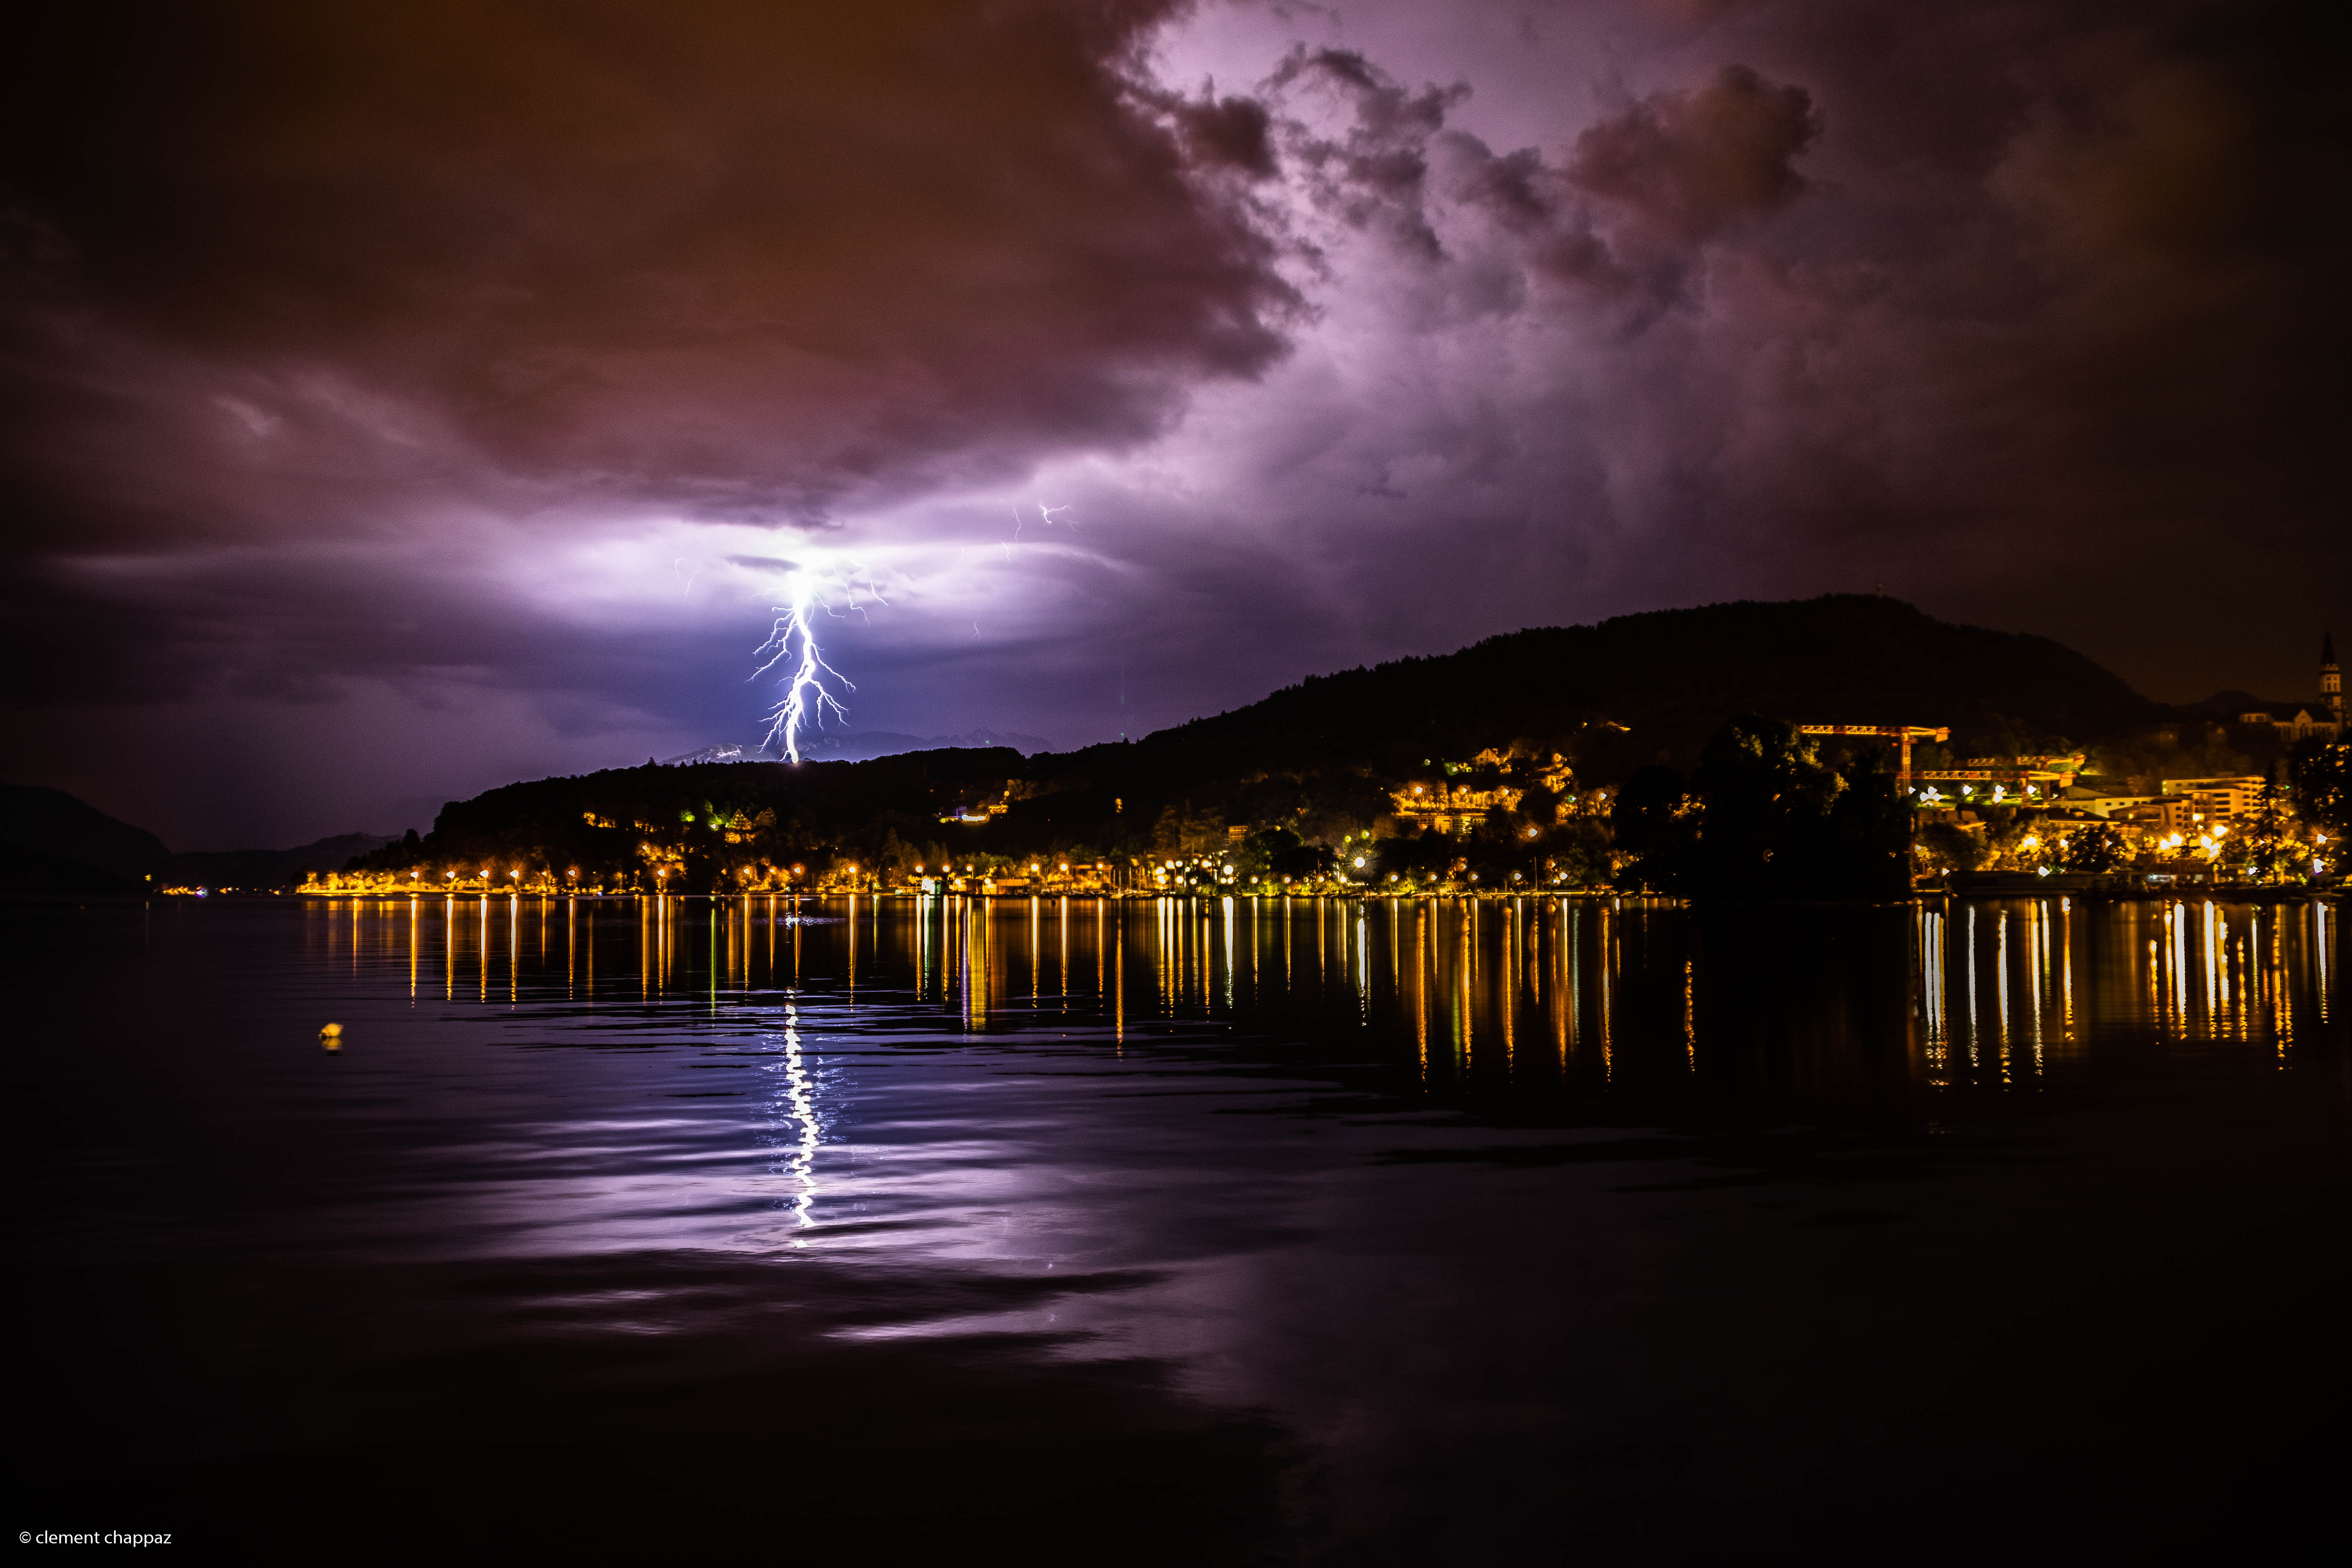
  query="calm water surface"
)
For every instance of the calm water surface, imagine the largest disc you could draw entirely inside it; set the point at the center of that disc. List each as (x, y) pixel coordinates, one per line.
(1190, 1231)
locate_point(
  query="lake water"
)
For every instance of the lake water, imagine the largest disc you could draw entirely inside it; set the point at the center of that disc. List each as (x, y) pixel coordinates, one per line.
(1189, 1231)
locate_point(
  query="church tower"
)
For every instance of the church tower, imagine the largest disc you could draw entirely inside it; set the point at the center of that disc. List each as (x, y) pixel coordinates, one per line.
(2331, 680)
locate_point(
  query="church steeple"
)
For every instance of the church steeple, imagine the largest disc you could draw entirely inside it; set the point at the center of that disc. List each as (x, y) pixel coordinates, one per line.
(2331, 679)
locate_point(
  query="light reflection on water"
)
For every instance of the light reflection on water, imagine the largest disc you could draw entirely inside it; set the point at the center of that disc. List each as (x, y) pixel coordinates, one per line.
(1431, 1182)
(1570, 1009)
(1998, 987)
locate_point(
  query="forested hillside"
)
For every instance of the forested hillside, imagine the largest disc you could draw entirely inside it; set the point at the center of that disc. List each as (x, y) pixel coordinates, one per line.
(1321, 759)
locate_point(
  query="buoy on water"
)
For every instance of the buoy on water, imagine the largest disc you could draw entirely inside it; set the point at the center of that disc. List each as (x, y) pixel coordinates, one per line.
(331, 1037)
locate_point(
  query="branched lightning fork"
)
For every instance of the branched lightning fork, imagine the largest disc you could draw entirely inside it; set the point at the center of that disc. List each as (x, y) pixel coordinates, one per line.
(794, 641)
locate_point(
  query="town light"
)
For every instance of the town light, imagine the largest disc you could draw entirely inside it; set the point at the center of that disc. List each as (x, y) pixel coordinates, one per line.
(1360, 862)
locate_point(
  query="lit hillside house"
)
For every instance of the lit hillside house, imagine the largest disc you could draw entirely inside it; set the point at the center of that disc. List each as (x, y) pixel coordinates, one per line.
(2298, 722)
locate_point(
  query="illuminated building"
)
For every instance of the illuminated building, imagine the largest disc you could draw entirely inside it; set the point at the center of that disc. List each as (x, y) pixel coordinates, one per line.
(2298, 722)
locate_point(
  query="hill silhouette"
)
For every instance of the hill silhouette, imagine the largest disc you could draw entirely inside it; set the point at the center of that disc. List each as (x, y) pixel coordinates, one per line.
(269, 868)
(1318, 759)
(57, 843)
(1670, 678)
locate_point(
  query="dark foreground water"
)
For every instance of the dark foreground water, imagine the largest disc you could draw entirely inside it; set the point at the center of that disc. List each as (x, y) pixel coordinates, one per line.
(1183, 1232)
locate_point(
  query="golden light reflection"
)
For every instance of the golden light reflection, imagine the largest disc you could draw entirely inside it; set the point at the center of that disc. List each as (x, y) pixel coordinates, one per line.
(2000, 993)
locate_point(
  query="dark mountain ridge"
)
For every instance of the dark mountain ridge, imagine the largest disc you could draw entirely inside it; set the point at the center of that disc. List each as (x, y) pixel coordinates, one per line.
(53, 824)
(270, 867)
(1670, 678)
(1321, 757)
(54, 843)
(1318, 758)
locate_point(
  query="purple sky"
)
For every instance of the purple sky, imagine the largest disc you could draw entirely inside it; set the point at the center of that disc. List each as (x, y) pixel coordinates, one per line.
(400, 399)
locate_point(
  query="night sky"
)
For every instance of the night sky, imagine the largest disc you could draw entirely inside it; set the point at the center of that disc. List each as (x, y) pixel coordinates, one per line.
(399, 399)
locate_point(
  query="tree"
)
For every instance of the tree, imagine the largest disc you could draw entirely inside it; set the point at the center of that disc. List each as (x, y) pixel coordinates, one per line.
(2264, 835)
(1577, 852)
(2097, 849)
(1183, 830)
(1765, 817)
(2322, 772)
(1945, 846)
(1654, 820)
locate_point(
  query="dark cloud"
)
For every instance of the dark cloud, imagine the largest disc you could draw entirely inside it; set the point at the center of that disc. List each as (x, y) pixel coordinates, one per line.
(324, 327)
(1229, 132)
(741, 258)
(1693, 161)
(1376, 173)
(2022, 310)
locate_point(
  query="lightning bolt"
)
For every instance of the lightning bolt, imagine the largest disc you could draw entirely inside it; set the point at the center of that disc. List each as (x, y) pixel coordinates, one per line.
(793, 642)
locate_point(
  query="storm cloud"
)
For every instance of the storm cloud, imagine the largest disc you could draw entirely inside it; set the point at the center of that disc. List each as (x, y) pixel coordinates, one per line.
(450, 388)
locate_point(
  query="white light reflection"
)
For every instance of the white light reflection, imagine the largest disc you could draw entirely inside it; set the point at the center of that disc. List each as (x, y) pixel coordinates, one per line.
(796, 1119)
